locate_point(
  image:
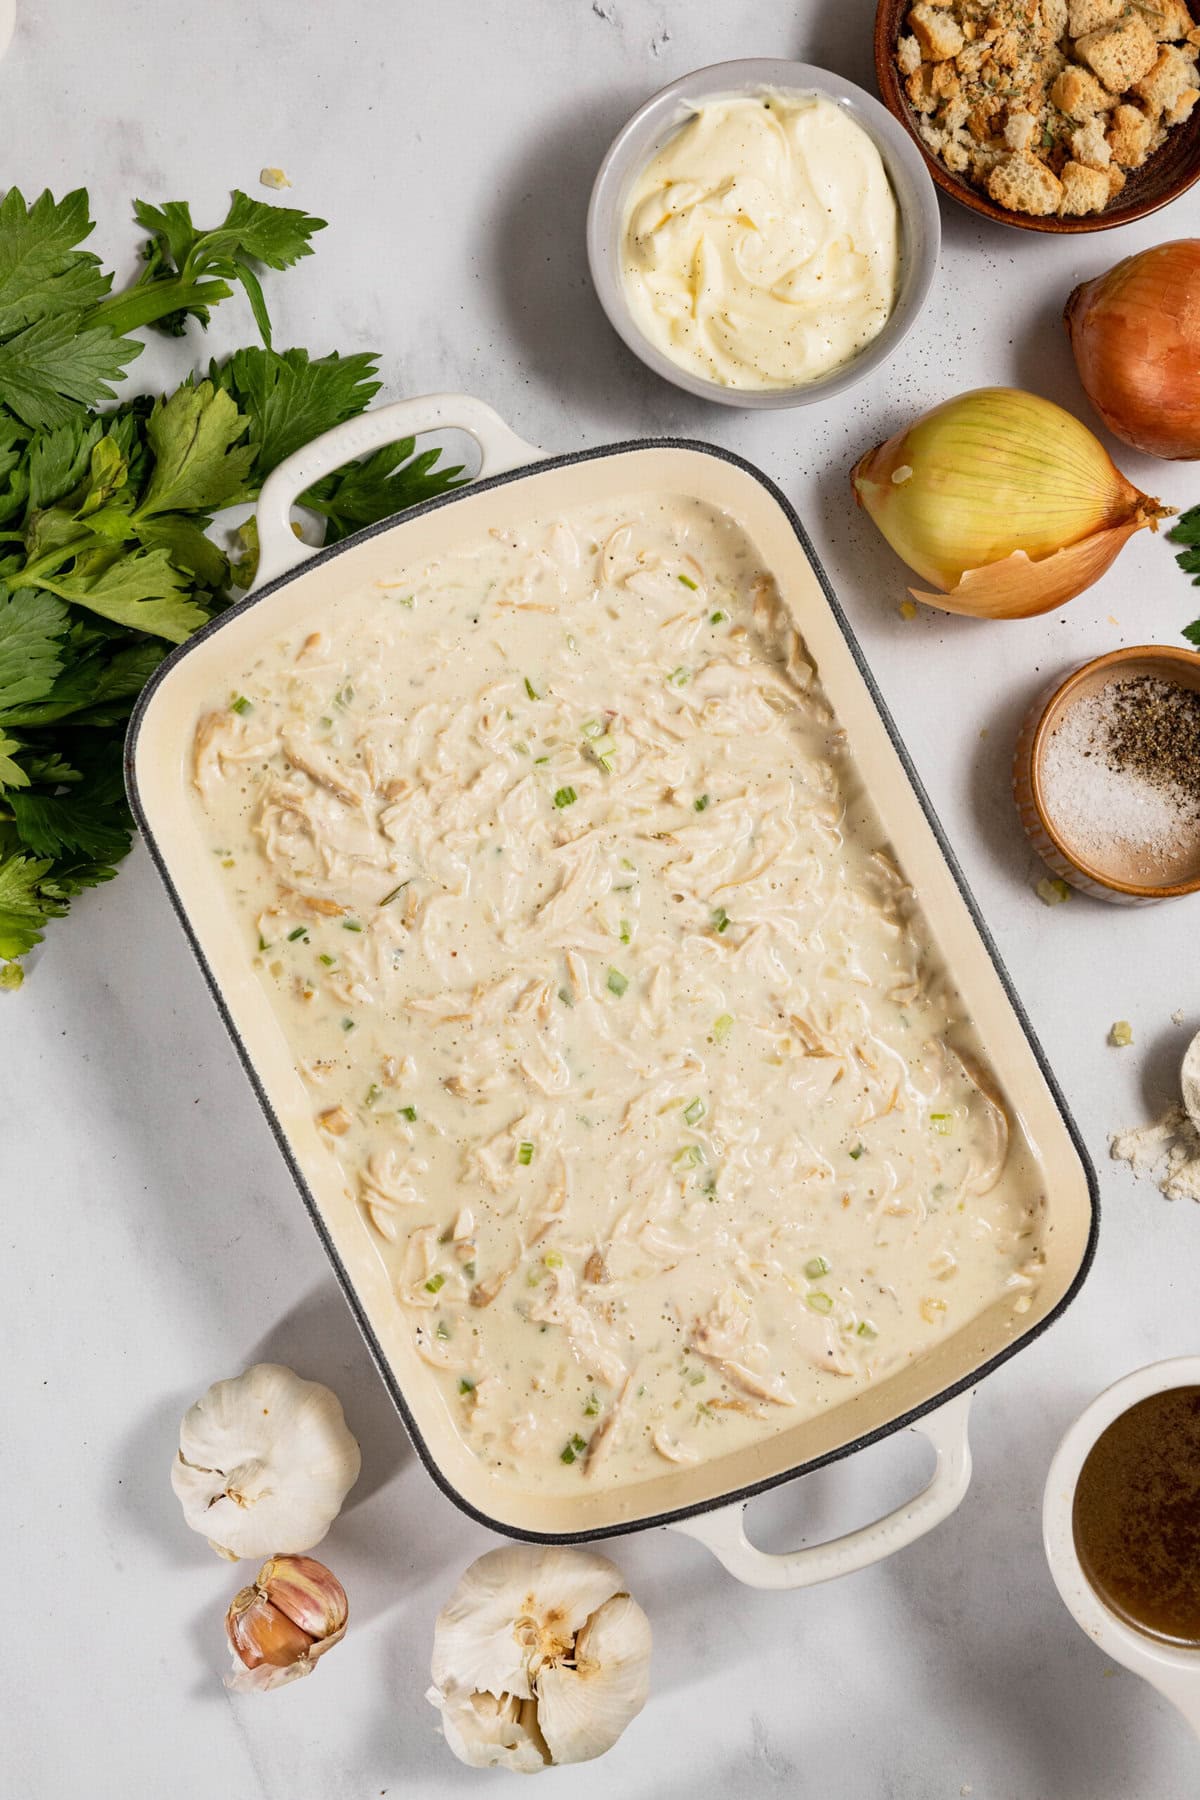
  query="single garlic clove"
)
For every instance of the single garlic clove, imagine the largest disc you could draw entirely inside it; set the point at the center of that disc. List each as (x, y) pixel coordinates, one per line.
(259, 1632)
(307, 1593)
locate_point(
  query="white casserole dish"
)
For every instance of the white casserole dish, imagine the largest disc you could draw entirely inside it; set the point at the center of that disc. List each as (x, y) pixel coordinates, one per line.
(932, 1393)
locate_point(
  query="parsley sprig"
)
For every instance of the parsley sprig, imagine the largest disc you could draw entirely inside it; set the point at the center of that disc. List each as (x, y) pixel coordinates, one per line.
(106, 547)
(1186, 530)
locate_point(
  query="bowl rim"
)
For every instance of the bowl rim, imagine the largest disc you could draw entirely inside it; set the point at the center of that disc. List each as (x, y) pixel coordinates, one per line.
(1171, 655)
(920, 220)
(888, 15)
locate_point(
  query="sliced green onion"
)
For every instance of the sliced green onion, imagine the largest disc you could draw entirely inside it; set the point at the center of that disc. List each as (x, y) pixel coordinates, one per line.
(695, 1377)
(351, 925)
(525, 1154)
(407, 600)
(300, 932)
(943, 1123)
(568, 1455)
(819, 1302)
(626, 864)
(606, 762)
(688, 1157)
(539, 760)
(552, 1259)
(327, 960)
(815, 1268)
(435, 1283)
(388, 898)
(591, 1406)
(465, 1385)
(372, 1094)
(722, 1027)
(689, 583)
(240, 704)
(856, 1152)
(347, 1024)
(679, 677)
(566, 996)
(469, 1271)
(865, 1330)
(565, 796)
(575, 1446)
(694, 1111)
(409, 1113)
(604, 746)
(262, 942)
(531, 690)
(625, 932)
(718, 618)
(617, 983)
(720, 919)
(521, 747)
(701, 803)
(593, 728)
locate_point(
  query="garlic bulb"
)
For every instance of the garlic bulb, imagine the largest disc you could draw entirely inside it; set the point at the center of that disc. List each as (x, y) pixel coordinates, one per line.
(265, 1461)
(295, 1611)
(1003, 500)
(539, 1657)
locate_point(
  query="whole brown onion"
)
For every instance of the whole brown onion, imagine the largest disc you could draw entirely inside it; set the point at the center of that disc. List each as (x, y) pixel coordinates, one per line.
(1136, 336)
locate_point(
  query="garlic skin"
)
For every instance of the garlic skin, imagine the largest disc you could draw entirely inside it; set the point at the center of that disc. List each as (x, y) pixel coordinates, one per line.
(540, 1657)
(265, 1460)
(295, 1610)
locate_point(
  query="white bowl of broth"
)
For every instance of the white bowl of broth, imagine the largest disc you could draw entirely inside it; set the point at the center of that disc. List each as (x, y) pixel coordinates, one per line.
(1121, 1526)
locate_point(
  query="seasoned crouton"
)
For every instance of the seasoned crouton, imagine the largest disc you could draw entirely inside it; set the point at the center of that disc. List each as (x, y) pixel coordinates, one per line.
(1129, 136)
(1077, 93)
(1166, 18)
(1020, 130)
(1088, 145)
(939, 36)
(944, 81)
(908, 56)
(955, 156)
(1116, 180)
(1182, 109)
(1084, 190)
(919, 88)
(1054, 19)
(1161, 85)
(1089, 15)
(1024, 184)
(1119, 54)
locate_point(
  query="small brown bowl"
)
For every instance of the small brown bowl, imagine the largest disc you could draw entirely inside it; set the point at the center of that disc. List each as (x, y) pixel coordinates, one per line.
(1162, 178)
(1181, 667)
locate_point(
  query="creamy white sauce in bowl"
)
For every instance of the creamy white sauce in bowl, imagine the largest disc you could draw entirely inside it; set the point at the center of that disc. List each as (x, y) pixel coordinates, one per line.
(625, 1030)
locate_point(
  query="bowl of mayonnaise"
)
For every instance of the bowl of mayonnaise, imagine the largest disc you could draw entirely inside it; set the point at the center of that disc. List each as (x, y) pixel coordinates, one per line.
(763, 233)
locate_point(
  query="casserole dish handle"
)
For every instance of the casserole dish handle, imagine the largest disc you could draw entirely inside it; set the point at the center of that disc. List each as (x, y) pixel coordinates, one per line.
(724, 1531)
(280, 550)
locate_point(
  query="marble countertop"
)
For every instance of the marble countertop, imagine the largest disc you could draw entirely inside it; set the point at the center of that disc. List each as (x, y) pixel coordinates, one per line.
(152, 1239)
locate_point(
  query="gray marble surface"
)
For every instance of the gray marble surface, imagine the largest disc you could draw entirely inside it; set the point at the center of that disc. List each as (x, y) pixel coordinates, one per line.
(152, 1240)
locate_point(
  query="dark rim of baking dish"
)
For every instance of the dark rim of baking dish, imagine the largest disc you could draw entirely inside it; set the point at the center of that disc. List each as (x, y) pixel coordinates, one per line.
(734, 1496)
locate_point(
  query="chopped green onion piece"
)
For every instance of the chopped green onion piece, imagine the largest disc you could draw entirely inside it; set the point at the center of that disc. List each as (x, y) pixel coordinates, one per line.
(525, 1154)
(262, 942)
(819, 1302)
(327, 960)
(443, 1331)
(469, 1271)
(531, 690)
(865, 1330)
(572, 643)
(593, 728)
(409, 1113)
(722, 1027)
(626, 864)
(407, 600)
(532, 1277)
(591, 1406)
(679, 677)
(568, 1455)
(606, 762)
(351, 925)
(566, 996)
(347, 1024)
(816, 1268)
(465, 1385)
(552, 1259)
(720, 919)
(539, 760)
(718, 618)
(373, 1093)
(604, 746)
(625, 933)
(695, 1377)
(240, 705)
(388, 898)
(694, 1111)
(566, 796)
(943, 1123)
(689, 583)
(617, 983)
(300, 932)
(856, 1153)
(688, 1157)
(701, 803)
(520, 746)
(435, 1283)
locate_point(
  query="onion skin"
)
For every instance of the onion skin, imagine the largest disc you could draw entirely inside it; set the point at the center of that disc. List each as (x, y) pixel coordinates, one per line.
(1004, 501)
(1135, 333)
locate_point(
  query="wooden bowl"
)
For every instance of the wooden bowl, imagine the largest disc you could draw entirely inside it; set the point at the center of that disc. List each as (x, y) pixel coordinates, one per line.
(1131, 886)
(1162, 178)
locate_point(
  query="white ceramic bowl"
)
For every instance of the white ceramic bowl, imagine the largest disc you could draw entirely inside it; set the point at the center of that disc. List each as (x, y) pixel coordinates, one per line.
(1174, 1672)
(662, 115)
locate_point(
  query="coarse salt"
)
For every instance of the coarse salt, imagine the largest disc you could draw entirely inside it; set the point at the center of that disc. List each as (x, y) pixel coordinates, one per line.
(1100, 810)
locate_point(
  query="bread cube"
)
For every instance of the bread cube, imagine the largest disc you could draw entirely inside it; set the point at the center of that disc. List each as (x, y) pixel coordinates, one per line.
(919, 88)
(1084, 190)
(1023, 184)
(1116, 180)
(1129, 136)
(1088, 145)
(1089, 15)
(938, 35)
(1167, 18)
(1077, 93)
(1119, 54)
(908, 56)
(1160, 86)
(1182, 109)
(1020, 131)
(1053, 19)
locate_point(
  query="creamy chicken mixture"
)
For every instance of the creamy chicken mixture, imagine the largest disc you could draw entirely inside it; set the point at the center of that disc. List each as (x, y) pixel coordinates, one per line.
(613, 1006)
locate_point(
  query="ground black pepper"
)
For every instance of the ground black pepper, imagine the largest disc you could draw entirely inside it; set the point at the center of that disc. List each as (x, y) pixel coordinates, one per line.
(1154, 731)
